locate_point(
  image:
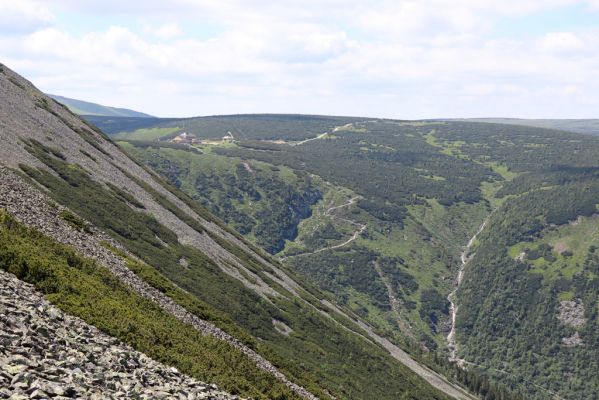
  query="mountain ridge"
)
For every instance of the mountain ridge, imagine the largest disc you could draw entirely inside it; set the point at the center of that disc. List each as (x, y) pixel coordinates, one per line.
(423, 189)
(579, 125)
(88, 108)
(77, 166)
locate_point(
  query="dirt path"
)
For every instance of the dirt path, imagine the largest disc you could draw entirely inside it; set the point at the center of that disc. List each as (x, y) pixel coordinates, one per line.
(309, 140)
(465, 257)
(434, 379)
(360, 229)
(349, 203)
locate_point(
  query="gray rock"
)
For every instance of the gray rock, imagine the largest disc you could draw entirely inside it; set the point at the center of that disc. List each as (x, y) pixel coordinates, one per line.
(39, 214)
(573, 341)
(73, 362)
(571, 313)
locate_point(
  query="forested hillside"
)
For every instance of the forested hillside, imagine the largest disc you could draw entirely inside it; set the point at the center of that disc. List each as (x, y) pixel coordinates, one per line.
(109, 241)
(397, 203)
(538, 324)
(87, 108)
(587, 126)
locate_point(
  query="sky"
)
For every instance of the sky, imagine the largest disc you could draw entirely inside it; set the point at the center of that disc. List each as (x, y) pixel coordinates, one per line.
(405, 59)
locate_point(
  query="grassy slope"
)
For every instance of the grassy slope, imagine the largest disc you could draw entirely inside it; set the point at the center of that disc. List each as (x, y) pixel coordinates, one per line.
(83, 288)
(430, 266)
(316, 355)
(519, 157)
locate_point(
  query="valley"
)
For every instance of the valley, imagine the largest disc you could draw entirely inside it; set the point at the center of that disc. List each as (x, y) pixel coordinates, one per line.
(314, 257)
(465, 256)
(299, 200)
(403, 207)
(109, 241)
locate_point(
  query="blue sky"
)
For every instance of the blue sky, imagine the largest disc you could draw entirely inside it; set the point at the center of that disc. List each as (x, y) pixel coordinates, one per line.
(404, 59)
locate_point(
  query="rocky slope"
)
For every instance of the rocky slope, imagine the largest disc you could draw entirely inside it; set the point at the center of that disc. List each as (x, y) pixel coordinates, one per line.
(36, 212)
(83, 363)
(69, 168)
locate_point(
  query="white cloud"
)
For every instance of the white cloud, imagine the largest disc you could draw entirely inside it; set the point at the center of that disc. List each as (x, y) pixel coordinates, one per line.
(388, 58)
(17, 17)
(168, 31)
(562, 41)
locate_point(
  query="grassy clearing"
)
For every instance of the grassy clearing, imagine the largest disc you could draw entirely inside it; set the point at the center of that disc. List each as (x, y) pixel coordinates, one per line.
(322, 218)
(489, 191)
(147, 133)
(448, 148)
(502, 170)
(350, 128)
(570, 245)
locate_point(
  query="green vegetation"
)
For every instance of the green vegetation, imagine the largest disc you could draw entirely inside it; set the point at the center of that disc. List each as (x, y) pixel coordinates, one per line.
(148, 133)
(419, 190)
(423, 189)
(399, 208)
(82, 288)
(74, 221)
(496, 326)
(243, 127)
(318, 353)
(251, 194)
(342, 162)
(266, 204)
(124, 196)
(528, 257)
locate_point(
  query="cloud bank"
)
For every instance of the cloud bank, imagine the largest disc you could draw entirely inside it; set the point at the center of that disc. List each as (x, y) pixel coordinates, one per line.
(400, 59)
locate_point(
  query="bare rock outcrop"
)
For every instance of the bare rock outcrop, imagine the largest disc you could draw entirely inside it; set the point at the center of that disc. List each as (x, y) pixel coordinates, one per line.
(573, 341)
(37, 212)
(45, 353)
(571, 313)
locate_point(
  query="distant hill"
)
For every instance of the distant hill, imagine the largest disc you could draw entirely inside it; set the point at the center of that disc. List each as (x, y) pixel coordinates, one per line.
(111, 242)
(588, 126)
(86, 108)
(377, 213)
(369, 226)
(243, 127)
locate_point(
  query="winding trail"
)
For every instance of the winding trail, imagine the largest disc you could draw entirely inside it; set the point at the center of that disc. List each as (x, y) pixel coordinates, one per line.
(433, 378)
(328, 212)
(349, 203)
(465, 257)
(309, 140)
